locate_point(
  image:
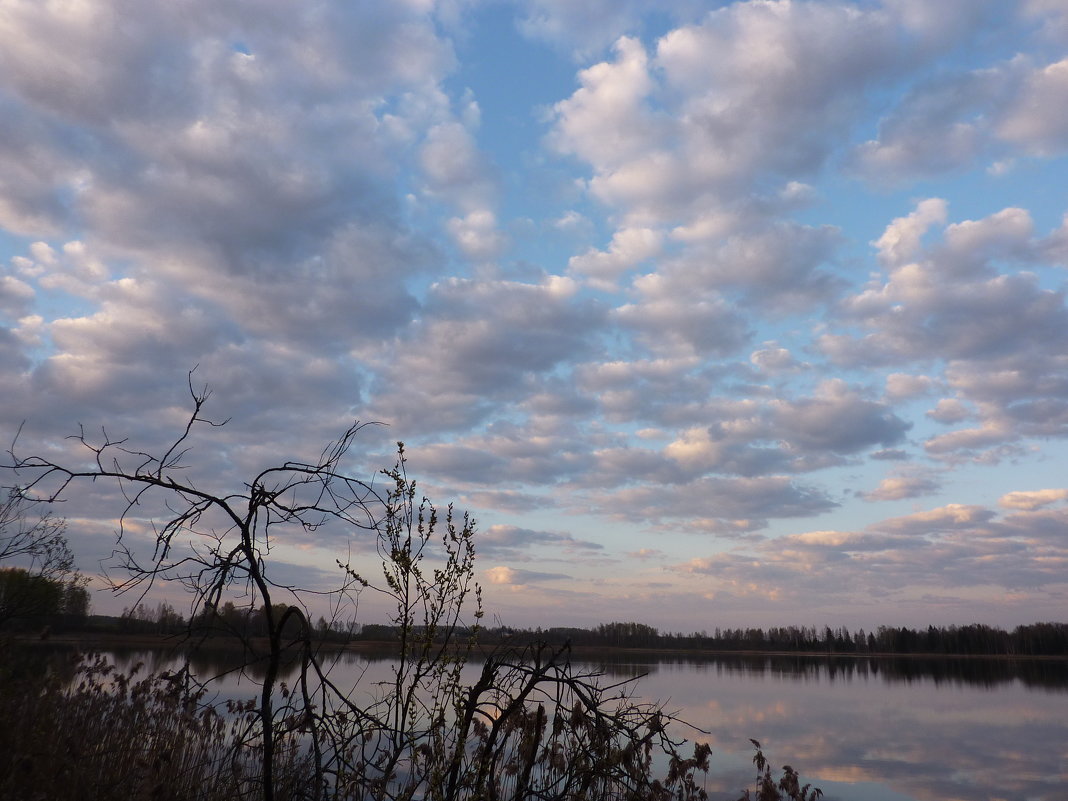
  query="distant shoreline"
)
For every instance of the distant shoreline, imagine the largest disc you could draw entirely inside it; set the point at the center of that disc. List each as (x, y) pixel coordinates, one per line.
(91, 641)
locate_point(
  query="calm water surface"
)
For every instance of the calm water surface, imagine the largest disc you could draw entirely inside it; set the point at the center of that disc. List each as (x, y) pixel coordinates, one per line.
(862, 730)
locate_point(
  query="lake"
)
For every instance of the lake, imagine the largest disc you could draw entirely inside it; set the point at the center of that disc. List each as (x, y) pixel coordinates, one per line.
(861, 729)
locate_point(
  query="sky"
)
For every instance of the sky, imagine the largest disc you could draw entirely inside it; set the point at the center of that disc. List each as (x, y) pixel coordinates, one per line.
(712, 314)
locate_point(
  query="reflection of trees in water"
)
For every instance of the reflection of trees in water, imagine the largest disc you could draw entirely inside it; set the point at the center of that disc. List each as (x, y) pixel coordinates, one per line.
(1046, 674)
(28, 660)
(621, 671)
(222, 661)
(974, 672)
(211, 661)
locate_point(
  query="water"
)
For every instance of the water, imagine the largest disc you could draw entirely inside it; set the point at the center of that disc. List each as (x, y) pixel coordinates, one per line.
(865, 730)
(896, 734)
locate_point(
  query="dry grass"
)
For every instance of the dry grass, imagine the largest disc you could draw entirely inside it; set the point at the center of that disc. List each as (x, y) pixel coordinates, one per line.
(87, 731)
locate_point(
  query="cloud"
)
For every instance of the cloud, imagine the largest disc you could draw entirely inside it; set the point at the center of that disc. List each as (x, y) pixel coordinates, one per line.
(16, 296)
(479, 342)
(511, 542)
(937, 128)
(999, 333)
(970, 439)
(670, 323)
(750, 437)
(916, 313)
(901, 241)
(889, 454)
(949, 410)
(453, 165)
(1029, 500)
(701, 450)
(956, 546)
(32, 156)
(189, 127)
(1030, 119)
(13, 358)
(752, 87)
(215, 190)
(838, 420)
(951, 517)
(895, 488)
(229, 191)
(774, 266)
(629, 247)
(477, 235)
(1052, 16)
(605, 121)
(509, 501)
(902, 386)
(680, 138)
(515, 578)
(572, 222)
(773, 359)
(953, 121)
(718, 504)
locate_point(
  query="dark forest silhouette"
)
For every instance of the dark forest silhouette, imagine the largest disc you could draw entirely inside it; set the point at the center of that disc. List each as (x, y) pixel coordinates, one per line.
(976, 639)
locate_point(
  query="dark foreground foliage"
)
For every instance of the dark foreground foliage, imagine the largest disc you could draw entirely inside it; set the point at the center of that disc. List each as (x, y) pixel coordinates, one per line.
(788, 788)
(81, 729)
(87, 731)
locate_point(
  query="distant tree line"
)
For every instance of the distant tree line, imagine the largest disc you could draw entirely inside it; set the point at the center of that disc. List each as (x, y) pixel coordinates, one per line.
(977, 639)
(1036, 639)
(228, 619)
(43, 587)
(31, 601)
